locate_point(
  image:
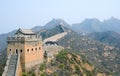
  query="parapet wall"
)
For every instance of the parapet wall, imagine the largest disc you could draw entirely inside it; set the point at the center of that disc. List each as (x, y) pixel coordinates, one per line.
(6, 66)
(20, 39)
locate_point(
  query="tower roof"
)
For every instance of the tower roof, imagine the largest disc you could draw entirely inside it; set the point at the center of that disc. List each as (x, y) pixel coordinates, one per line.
(25, 31)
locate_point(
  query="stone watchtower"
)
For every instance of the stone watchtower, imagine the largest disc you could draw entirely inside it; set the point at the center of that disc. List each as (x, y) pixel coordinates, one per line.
(28, 45)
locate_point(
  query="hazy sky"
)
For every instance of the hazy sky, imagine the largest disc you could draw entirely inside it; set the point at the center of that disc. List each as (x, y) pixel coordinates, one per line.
(16, 14)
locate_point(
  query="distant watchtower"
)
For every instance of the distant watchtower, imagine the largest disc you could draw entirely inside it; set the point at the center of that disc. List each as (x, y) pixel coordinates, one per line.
(28, 45)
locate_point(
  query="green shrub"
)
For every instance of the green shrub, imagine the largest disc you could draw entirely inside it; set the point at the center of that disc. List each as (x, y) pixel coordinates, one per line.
(42, 67)
(55, 74)
(88, 73)
(62, 66)
(43, 74)
(33, 74)
(61, 56)
(24, 74)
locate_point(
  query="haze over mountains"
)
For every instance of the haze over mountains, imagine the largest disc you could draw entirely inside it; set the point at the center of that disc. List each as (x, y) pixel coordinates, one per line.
(87, 26)
(51, 24)
(94, 25)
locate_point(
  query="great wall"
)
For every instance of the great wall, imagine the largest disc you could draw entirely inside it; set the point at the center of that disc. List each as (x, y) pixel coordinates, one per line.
(26, 50)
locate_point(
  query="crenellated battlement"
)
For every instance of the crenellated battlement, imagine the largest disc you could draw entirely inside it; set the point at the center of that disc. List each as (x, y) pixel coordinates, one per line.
(15, 39)
(23, 39)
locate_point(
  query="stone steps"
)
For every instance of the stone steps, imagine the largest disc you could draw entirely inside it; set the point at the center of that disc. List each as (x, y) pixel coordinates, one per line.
(12, 65)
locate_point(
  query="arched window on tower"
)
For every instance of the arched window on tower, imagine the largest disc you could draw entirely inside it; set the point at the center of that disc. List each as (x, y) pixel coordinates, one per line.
(16, 51)
(9, 51)
(39, 48)
(21, 50)
(32, 49)
(36, 49)
(27, 50)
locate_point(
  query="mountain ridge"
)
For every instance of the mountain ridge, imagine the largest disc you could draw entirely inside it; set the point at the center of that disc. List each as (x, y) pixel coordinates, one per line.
(109, 37)
(94, 26)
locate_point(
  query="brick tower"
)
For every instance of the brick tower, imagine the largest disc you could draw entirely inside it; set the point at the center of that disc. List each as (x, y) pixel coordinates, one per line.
(28, 45)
